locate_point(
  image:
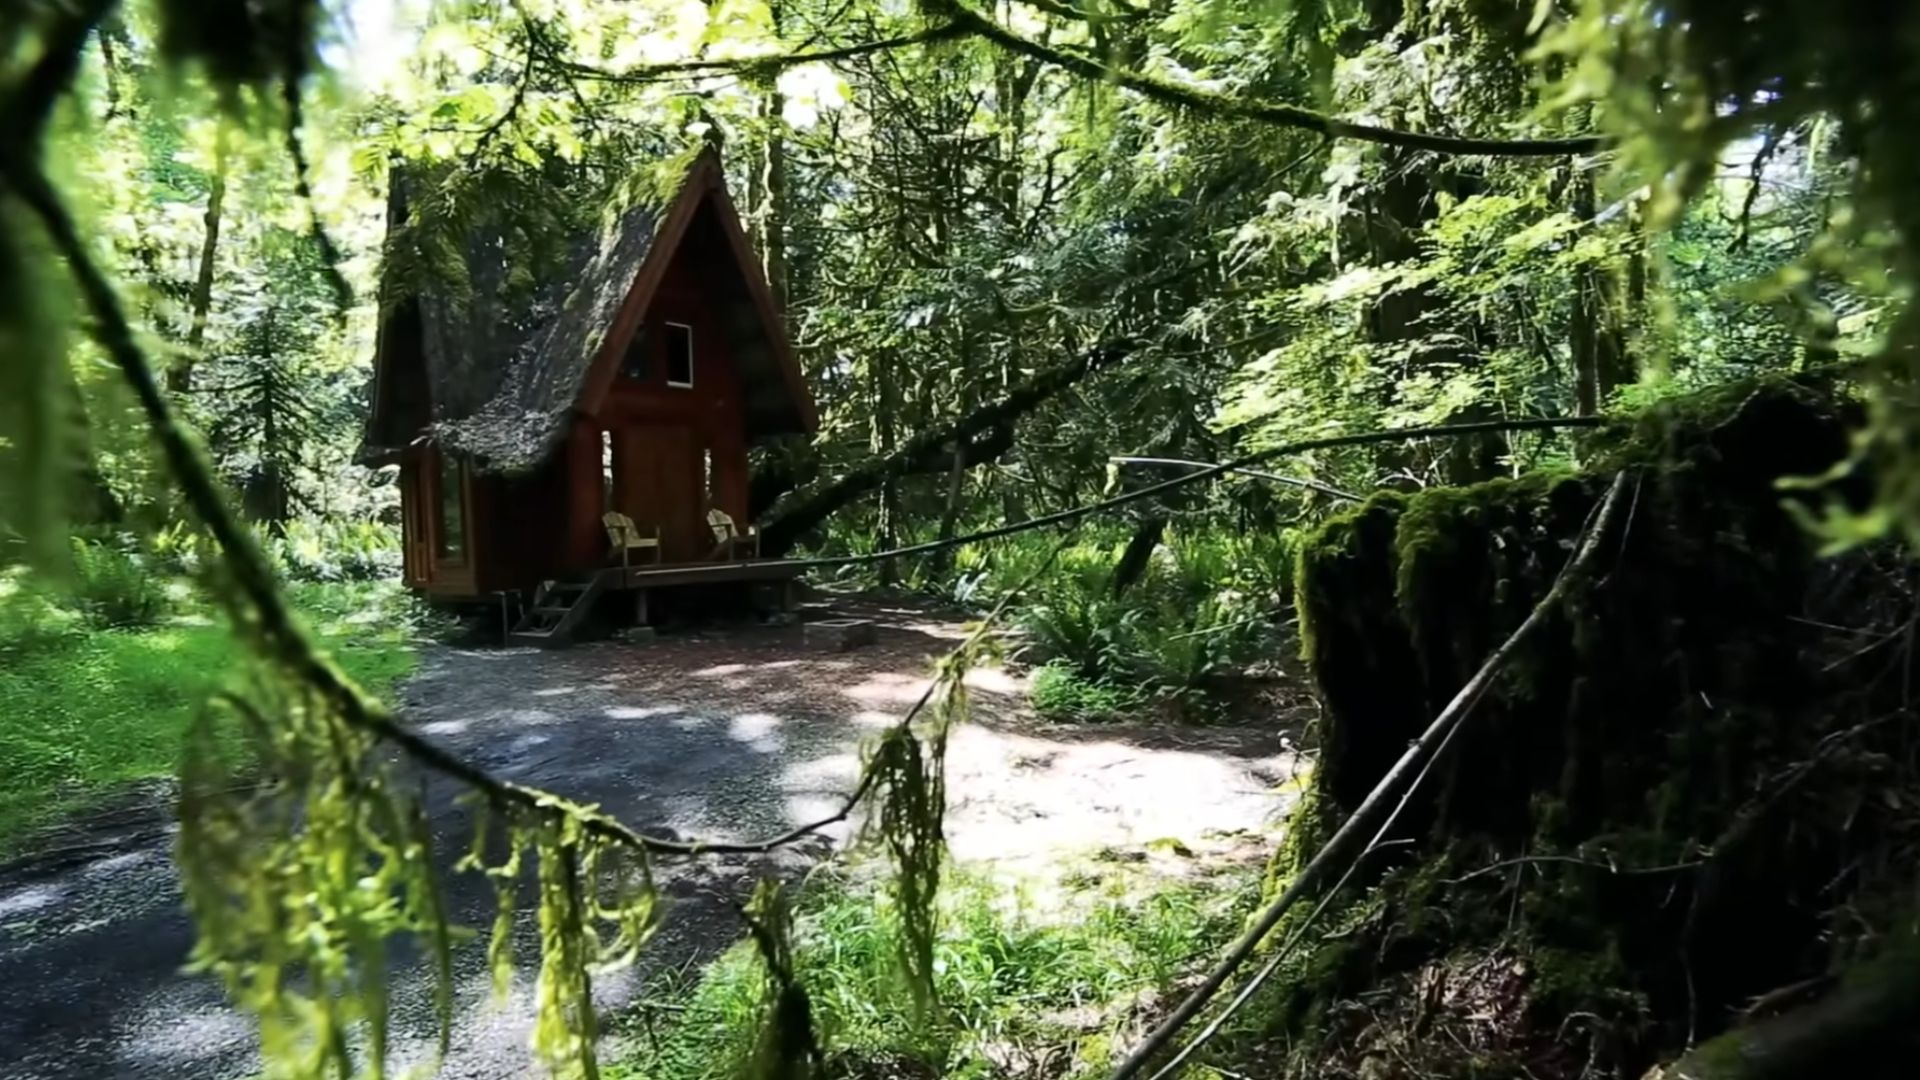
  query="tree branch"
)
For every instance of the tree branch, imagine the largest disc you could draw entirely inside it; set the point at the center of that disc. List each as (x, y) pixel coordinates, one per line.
(1073, 514)
(809, 507)
(1291, 481)
(26, 111)
(965, 22)
(1271, 112)
(770, 62)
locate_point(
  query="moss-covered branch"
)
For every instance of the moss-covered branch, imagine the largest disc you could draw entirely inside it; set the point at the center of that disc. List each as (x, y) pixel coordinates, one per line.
(769, 63)
(966, 22)
(1268, 112)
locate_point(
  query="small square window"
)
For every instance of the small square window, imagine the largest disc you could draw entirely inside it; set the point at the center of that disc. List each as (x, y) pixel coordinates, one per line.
(634, 365)
(679, 354)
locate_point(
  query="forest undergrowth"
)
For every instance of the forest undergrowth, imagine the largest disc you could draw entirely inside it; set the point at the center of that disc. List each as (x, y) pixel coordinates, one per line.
(1182, 629)
(1688, 810)
(103, 669)
(1027, 986)
(1022, 248)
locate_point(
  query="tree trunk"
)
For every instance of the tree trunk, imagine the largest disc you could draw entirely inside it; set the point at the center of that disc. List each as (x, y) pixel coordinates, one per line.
(950, 516)
(884, 439)
(1597, 339)
(92, 500)
(767, 188)
(1133, 561)
(773, 224)
(180, 375)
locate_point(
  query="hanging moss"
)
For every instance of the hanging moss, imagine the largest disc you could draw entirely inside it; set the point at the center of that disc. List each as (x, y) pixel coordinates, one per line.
(1636, 730)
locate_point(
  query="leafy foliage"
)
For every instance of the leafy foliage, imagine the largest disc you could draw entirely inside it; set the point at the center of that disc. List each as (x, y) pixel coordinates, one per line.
(91, 710)
(1271, 222)
(1019, 983)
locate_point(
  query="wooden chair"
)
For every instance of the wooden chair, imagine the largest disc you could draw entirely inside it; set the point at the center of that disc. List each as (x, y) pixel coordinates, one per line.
(626, 537)
(728, 541)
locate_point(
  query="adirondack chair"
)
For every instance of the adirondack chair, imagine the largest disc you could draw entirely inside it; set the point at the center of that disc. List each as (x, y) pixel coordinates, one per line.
(626, 537)
(728, 541)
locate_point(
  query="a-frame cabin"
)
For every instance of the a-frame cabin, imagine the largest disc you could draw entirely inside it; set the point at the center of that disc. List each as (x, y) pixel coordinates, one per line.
(635, 385)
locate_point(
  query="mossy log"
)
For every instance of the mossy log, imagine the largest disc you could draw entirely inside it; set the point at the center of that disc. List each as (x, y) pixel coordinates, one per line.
(1627, 767)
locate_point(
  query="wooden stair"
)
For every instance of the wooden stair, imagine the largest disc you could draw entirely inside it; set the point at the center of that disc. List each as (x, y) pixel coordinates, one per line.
(558, 609)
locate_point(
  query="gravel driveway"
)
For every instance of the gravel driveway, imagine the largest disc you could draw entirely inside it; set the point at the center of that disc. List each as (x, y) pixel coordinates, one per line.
(720, 735)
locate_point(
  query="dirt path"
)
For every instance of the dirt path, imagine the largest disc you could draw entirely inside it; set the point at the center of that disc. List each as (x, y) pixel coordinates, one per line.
(731, 735)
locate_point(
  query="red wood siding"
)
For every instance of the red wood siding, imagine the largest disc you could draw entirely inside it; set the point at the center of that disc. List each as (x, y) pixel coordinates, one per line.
(676, 448)
(677, 451)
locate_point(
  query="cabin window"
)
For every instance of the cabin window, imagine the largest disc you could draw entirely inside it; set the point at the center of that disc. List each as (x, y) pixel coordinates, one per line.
(634, 364)
(606, 470)
(679, 354)
(453, 517)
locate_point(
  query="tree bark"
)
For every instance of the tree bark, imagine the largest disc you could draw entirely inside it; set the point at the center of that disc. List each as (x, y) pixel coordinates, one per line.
(883, 422)
(950, 515)
(1133, 561)
(767, 193)
(180, 374)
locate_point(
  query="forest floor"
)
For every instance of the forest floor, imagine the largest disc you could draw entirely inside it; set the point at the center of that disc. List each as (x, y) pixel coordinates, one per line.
(729, 734)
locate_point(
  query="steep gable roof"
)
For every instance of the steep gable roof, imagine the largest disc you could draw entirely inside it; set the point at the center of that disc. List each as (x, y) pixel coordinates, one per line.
(502, 385)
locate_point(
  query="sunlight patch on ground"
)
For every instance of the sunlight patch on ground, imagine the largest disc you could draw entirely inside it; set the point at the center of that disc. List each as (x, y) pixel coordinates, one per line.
(996, 680)
(887, 688)
(168, 1033)
(29, 900)
(641, 712)
(761, 731)
(443, 727)
(1025, 803)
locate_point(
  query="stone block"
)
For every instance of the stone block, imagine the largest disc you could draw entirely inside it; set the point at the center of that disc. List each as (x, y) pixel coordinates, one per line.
(839, 635)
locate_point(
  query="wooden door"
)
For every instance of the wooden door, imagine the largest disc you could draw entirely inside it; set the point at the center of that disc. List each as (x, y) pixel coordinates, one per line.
(416, 554)
(657, 483)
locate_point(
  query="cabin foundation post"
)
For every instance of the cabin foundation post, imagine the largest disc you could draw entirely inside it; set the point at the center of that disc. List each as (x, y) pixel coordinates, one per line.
(639, 607)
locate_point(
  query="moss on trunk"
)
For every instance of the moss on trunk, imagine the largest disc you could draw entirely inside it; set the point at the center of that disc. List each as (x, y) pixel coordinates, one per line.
(1628, 764)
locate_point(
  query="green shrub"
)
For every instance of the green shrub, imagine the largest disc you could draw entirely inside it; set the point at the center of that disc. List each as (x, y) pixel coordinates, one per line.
(32, 619)
(366, 610)
(1209, 602)
(331, 551)
(1009, 981)
(109, 707)
(117, 588)
(1060, 692)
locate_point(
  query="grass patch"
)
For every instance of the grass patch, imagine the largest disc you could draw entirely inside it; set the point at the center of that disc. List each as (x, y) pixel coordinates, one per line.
(1060, 692)
(1020, 991)
(94, 710)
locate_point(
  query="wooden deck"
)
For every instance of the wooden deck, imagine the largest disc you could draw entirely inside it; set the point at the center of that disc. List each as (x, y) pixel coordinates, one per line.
(707, 573)
(558, 608)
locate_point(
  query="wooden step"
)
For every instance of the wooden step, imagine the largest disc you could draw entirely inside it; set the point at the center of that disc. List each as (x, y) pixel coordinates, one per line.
(557, 610)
